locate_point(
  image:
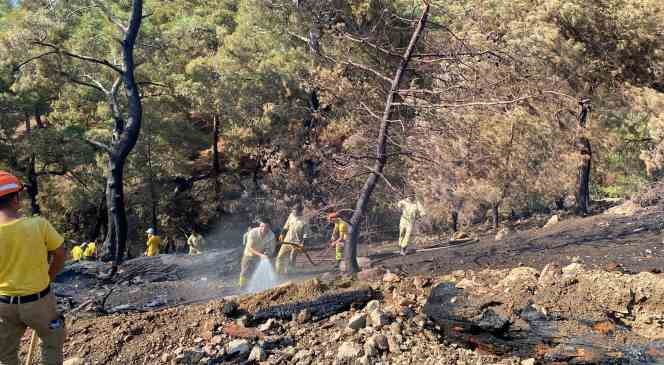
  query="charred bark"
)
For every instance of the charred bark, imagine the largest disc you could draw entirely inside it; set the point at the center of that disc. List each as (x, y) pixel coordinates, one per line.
(381, 149)
(583, 179)
(322, 307)
(495, 216)
(455, 221)
(32, 188)
(215, 157)
(585, 151)
(125, 135)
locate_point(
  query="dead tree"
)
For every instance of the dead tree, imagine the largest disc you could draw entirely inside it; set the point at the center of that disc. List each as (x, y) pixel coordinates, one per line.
(381, 148)
(126, 129)
(585, 151)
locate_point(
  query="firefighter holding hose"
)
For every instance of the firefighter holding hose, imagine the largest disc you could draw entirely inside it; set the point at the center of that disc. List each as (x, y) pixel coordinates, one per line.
(256, 241)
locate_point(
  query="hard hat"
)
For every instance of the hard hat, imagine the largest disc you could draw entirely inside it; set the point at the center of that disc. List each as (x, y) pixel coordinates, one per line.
(150, 231)
(9, 184)
(333, 215)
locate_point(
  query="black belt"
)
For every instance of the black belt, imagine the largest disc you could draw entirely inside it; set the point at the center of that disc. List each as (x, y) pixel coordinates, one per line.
(25, 299)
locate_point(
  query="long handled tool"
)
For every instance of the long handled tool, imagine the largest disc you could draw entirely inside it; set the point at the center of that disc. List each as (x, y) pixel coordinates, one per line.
(31, 349)
(301, 248)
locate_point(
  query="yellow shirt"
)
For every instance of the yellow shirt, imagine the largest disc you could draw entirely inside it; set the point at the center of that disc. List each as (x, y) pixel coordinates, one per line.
(153, 245)
(24, 247)
(296, 229)
(76, 253)
(341, 229)
(257, 242)
(90, 250)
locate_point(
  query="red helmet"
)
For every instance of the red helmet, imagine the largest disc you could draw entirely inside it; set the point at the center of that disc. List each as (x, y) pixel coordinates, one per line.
(9, 184)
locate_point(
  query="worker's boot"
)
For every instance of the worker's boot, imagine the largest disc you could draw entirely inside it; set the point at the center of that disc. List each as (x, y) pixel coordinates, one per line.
(403, 251)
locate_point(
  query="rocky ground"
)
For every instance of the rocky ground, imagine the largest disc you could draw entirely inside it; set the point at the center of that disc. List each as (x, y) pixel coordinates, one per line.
(568, 315)
(581, 290)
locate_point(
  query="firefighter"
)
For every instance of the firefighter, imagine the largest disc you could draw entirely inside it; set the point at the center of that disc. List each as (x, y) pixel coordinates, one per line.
(339, 236)
(411, 212)
(196, 243)
(256, 242)
(154, 242)
(90, 252)
(26, 299)
(76, 253)
(294, 233)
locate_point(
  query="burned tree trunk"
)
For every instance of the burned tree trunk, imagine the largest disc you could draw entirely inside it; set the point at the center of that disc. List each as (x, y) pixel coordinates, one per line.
(495, 216)
(455, 221)
(215, 156)
(583, 179)
(32, 188)
(381, 149)
(125, 135)
(585, 151)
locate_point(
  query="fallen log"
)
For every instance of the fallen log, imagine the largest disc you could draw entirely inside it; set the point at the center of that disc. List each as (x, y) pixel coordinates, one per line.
(321, 307)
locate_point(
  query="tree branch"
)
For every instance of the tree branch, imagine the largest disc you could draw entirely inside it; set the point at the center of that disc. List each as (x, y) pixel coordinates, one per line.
(99, 145)
(103, 62)
(18, 67)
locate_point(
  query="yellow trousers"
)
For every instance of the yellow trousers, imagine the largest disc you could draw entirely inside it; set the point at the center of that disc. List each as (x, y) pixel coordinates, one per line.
(405, 232)
(247, 267)
(286, 259)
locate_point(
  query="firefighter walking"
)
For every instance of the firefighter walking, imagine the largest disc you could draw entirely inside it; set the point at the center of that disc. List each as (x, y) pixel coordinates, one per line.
(293, 240)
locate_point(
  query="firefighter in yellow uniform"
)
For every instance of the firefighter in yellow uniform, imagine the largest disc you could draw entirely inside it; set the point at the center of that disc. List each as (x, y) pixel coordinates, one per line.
(296, 232)
(90, 252)
(411, 212)
(76, 253)
(196, 243)
(256, 241)
(339, 236)
(154, 242)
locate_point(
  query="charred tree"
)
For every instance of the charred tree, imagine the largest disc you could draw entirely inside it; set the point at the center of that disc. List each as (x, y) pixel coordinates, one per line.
(32, 188)
(585, 152)
(381, 148)
(216, 169)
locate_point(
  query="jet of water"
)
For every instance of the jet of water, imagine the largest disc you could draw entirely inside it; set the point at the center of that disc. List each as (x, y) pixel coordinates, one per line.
(263, 278)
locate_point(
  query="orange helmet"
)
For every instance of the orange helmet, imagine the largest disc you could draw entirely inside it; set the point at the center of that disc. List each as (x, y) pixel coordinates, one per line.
(333, 215)
(9, 184)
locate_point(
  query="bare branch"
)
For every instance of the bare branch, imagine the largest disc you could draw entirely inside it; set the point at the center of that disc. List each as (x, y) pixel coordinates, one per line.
(103, 62)
(18, 67)
(99, 145)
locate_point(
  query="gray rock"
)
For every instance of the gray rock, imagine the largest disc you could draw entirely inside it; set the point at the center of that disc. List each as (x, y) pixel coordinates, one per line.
(358, 321)
(378, 319)
(237, 347)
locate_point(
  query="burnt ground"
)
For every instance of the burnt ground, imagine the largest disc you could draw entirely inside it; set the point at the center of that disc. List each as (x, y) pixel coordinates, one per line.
(602, 240)
(163, 319)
